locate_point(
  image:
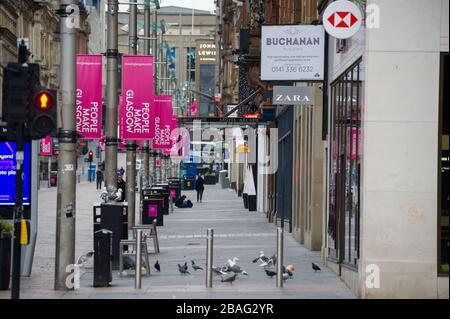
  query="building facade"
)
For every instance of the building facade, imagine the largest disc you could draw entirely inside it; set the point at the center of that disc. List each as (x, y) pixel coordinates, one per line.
(180, 29)
(384, 231)
(363, 173)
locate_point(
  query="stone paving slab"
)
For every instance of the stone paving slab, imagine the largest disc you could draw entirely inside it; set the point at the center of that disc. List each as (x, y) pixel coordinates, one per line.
(183, 238)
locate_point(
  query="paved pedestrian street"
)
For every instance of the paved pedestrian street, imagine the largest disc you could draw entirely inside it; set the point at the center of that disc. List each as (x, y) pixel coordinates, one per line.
(238, 233)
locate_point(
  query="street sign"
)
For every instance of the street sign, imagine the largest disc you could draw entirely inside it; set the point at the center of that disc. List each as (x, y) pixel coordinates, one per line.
(342, 19)
(293, 95)
(292, 52)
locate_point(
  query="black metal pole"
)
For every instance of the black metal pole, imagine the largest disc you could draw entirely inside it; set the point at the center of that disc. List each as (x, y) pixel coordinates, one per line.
(325, 90)
(18, 209)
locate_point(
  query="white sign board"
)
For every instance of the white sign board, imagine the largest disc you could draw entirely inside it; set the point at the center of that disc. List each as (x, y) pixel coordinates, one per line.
(229, 108)
(293, 95)
(342, 19)
(292, 53)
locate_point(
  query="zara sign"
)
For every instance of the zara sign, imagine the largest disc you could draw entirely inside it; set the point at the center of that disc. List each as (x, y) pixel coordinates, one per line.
(293, 95)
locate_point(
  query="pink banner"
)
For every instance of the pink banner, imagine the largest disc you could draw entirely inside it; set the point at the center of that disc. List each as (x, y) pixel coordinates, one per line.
(46, 146)
(162, 122)
(89, 96)
(137, 92)
(194, 109)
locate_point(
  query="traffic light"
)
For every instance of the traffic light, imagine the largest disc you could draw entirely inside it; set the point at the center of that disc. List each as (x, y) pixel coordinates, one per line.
(91, 156)
(27, 104)
(18, 84)
(42, 113)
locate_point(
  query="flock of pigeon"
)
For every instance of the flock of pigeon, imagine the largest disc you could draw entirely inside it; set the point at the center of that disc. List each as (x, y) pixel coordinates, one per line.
(230, 271)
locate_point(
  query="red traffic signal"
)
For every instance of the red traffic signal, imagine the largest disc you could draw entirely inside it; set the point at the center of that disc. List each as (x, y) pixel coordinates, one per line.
(43, 113)
(43, 100)
(91, 156)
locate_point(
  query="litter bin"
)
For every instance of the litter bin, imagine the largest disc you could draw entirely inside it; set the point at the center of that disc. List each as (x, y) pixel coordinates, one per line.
(164, 193)
(102, 258)
(113, 217)
(53, 179)
(152, 209)
(188, 183)
(175, 188)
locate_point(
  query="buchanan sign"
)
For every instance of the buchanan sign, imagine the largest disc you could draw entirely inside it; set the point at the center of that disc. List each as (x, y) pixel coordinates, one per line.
(292, 53)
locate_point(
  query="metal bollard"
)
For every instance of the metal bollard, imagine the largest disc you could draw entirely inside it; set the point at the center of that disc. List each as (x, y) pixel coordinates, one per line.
(171, 203)
(137, 278)
(209, 256)
(280, 247)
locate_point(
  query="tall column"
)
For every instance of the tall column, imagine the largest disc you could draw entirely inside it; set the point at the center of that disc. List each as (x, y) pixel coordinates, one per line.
(66, 193)
(146, 144)
(112, 99)
(131, 145)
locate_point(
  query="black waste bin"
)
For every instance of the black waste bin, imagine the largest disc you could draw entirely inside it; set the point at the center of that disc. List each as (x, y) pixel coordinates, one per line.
(113, 217)
(152, 209)
(102, 258)
(175, 188)
(53, 179)
(188, 183)
(164, 193)
(5, 262)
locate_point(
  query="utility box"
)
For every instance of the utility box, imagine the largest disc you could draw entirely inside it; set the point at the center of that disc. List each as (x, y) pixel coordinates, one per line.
(102, 258)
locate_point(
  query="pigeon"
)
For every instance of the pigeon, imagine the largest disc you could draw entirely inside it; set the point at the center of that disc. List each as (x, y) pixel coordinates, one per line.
(261, 258)
(270, 273)
(287, 275)
(315, 267)
(183, 270)
(84, 258)
(230, 279)
(157, 266)
(232, 262)
(237, 270)
(272, 261)
(218, 270)
(195, 267)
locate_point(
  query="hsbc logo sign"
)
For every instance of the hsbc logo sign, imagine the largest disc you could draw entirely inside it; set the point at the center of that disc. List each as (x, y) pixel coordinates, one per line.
(342, 19)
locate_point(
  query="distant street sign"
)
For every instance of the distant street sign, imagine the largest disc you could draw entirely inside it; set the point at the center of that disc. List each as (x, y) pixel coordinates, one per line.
(342, 19)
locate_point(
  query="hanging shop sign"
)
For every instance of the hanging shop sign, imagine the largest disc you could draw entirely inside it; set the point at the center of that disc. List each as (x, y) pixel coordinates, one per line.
(293, 95)
(46, 146)
(89, 96)
(292, 53)
(342, 19)
(138, 98)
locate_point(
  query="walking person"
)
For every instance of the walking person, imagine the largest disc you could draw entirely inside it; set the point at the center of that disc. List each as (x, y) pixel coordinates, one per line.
(200, 187)
(99, 179)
